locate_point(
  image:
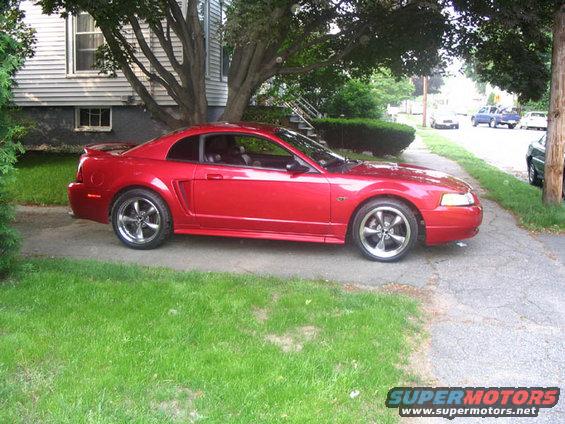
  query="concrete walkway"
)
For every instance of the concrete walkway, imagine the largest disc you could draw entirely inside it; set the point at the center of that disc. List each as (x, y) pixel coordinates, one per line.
(496, 301)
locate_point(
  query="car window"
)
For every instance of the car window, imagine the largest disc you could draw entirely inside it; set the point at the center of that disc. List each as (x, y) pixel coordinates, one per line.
(493, 110)
(538, 115)
(542, 140)
(256, 145)
(186, 149)
(314, 150)
(482, 110)
(245, 150)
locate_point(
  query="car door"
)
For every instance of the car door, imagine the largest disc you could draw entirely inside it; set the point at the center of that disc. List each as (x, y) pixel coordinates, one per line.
(493, 112)
(251, 190)
(481, 117)
(538, 156)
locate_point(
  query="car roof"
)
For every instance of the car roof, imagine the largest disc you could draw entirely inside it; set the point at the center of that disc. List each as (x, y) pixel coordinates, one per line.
(159, 145)
(235, 126)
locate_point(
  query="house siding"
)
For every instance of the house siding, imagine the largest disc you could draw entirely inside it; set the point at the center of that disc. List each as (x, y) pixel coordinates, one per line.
(45, 81)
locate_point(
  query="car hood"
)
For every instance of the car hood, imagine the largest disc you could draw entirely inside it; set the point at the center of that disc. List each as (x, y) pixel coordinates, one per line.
(411, 173)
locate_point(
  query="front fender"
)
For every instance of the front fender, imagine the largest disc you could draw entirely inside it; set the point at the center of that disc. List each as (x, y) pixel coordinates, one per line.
(347, 197)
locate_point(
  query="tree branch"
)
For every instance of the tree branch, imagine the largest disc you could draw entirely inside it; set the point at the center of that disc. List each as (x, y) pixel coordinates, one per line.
(174, 89)
(336, 57)
(156, 110)
(166, 44)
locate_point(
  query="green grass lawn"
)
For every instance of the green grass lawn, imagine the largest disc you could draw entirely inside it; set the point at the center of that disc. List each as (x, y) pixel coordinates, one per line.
(511, 193)
(94, 342)
(42, 178)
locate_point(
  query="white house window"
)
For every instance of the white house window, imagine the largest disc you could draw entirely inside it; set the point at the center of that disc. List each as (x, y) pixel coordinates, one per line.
(87, 37)
(93, 119)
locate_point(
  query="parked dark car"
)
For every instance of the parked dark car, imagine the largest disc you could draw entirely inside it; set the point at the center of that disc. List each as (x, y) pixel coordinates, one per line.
(495, 116)
(535, 160)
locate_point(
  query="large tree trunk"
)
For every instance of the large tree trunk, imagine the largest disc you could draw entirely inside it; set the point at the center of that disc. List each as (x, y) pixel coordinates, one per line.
(553, 174)
(238, 99)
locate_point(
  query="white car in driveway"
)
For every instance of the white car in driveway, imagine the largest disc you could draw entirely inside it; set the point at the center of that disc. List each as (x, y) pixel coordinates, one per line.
(534, 120)
(444, 119)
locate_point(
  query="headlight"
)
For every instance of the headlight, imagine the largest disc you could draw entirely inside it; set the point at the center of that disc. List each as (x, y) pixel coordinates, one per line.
(457, 199)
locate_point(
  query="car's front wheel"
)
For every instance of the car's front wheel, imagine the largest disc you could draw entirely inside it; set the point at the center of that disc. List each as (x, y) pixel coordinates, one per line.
(474, 121)
(492, 123)
(141, 219)
(533, 177)
(385, 229)
(511, 126)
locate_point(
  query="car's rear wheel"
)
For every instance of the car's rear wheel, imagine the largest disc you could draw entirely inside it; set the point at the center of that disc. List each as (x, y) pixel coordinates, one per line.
(141, 219)
(492, 123)
(533, 177)
(511, 126)
(385, 229)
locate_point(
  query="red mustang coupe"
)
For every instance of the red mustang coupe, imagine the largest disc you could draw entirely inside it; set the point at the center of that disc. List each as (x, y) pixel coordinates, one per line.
(260, 181)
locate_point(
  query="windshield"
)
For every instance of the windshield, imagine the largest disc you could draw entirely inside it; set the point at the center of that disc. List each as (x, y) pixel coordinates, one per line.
(319, 153)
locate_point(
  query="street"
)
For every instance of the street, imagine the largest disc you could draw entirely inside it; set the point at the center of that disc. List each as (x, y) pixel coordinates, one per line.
(501, 147)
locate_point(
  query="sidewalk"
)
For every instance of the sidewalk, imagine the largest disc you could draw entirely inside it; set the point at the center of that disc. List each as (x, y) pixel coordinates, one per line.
(499, 311)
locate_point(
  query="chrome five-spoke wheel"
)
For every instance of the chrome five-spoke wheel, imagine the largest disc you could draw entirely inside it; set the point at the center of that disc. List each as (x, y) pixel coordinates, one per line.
(138, 220)
(141, 219)
(385, 229)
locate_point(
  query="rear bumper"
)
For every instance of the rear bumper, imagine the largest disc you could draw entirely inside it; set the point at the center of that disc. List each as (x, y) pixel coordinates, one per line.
(446, 224)
(88, 203)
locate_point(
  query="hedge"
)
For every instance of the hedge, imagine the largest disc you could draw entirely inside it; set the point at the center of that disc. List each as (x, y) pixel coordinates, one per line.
(360, 135)
(267, 114)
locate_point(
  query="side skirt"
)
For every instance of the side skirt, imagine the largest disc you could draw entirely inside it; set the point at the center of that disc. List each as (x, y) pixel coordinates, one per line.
(261, 235)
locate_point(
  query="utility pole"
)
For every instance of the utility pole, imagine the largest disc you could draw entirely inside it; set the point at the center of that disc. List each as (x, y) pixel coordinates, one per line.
(424, 100)
(555, 144)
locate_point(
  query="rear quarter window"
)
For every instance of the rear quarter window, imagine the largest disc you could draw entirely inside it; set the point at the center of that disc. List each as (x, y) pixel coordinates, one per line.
(186, 150)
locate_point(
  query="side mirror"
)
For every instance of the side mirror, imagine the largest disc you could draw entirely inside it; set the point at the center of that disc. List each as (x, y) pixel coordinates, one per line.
(296, 167)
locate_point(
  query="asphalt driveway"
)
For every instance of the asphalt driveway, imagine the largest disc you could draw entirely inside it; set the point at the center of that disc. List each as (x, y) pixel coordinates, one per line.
(496, 302)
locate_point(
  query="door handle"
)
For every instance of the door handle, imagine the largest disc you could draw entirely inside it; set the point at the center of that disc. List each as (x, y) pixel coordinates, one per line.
(214, 176)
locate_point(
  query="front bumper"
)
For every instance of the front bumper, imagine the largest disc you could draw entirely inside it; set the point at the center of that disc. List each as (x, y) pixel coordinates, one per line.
(450, 223)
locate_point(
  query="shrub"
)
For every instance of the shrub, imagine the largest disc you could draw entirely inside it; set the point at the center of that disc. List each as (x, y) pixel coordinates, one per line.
(15, 44)
(378, 137)
(9, 148)
(267, 114)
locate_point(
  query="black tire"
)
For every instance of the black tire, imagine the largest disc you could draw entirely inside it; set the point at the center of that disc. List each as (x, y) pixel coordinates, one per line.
(381, 232)
(492, 123)
(456, 127)
(474, 121)
(533, 177)
(511, 126)
(151, 217)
